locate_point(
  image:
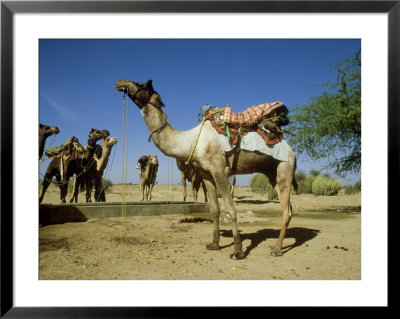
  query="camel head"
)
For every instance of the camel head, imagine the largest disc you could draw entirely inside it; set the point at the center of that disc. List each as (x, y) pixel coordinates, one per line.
(46, 130)
(109, 142)
(153, 160)
(98, 134)
(141, 93)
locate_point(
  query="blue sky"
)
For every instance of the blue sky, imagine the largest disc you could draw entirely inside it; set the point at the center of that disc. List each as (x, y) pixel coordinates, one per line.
(77, 77)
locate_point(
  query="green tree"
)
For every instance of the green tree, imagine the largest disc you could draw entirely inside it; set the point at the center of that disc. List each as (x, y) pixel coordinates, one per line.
(329, 126)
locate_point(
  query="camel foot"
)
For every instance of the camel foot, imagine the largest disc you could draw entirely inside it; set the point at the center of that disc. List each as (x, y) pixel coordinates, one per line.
(237, 256)
(212, 246)
(275, 252)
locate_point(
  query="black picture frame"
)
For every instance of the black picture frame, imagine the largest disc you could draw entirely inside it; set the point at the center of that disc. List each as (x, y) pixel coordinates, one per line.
(9, 8)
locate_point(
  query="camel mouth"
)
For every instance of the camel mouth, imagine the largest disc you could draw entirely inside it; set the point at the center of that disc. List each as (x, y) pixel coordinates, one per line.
(122, 85)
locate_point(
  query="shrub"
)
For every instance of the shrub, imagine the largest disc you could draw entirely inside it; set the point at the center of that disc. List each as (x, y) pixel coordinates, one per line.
(315, 173)
(260, 184)
(305, 184)
(106, 183)
(352, 189)
(300, 176)
(326, 186)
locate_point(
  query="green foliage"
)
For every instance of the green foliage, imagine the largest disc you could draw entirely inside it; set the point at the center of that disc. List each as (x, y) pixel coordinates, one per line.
(329, 126)
(260, 184)
(326, 186)
(106, 183)
(315, 173)
(353, 189)
(305, 184)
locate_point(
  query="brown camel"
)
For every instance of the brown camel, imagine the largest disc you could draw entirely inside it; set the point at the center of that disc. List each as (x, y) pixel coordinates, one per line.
(214, 165)
(75, 163)
(189, 173)
(44, 132)
(95, 173)
(148, 177)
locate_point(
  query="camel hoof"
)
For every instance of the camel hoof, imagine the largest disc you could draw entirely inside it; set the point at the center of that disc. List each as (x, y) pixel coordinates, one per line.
(237, 256)
(212, 246)
(275, 252)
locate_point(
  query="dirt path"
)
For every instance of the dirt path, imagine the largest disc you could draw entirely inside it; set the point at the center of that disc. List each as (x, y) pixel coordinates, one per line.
(323, 242)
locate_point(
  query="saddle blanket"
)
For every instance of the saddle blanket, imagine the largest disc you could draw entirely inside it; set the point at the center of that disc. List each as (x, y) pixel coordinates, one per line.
(251, 115)
(254, 142)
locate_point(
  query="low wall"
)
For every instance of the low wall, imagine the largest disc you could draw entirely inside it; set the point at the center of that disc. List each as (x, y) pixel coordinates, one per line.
(80, 212)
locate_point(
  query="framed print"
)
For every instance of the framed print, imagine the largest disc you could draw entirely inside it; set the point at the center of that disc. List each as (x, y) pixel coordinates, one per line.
(40, 45)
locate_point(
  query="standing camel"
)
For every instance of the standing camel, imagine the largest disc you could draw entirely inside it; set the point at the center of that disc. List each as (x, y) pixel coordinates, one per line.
(95, 174)
(75, 163)
(44, 132)
(189, 173)
(201, 146)
(148, 178)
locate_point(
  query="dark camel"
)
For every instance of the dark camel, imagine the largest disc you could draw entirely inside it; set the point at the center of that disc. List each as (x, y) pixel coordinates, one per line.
(44, 132)
(95, 174)
(74, 163)
(213, 164)
(189, 173)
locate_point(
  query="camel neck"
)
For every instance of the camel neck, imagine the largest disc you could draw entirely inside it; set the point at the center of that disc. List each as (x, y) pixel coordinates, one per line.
(103, 160)
(170, 141)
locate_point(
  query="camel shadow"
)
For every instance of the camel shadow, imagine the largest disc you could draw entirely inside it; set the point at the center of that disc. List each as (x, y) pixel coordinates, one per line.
(300, 234)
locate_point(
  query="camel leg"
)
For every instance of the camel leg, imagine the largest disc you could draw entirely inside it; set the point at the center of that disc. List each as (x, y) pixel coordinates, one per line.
(64, 191)
(195, 187)
(221, 180)
(283, 188)
(230, 209)
(77, 182)
(183, 180)
(98, 189)
(141, 192)
(214, 210)
(205, 192)
(46, 184)
(50, 172)
(150, 190)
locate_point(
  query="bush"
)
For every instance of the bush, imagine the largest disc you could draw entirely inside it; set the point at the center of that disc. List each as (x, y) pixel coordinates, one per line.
(305, 184)
(315, 173)
(326, 186)
(260, 184)
(353, 189)
(106, 183)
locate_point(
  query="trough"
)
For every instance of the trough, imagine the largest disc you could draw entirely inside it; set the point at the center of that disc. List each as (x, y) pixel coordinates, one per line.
(80, 212)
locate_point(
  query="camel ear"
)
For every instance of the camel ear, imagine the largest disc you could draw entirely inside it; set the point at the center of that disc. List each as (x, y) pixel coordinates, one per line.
(40, 125)
(149, 84)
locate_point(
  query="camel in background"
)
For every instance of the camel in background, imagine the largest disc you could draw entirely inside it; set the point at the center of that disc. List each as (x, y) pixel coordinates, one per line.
(44, 132)
(213, 164)
(148, 178)
(75, 162)
(95, 174)
(189, 173)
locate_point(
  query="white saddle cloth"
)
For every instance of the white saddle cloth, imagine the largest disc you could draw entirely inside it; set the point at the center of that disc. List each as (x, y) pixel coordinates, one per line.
(252, 141)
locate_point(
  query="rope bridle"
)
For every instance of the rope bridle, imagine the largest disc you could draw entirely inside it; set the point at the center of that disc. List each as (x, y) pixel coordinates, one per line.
(142, 105)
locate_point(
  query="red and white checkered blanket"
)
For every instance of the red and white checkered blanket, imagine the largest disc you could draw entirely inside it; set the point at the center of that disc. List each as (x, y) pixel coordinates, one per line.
(251, 115)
